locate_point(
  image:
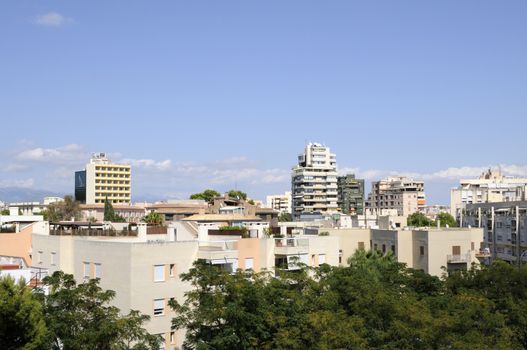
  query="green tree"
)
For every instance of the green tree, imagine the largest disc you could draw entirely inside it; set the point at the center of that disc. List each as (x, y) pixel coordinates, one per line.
(4, 212)
(64, 210)
(419, 219)
(446, 219)
(153, 218)
(285, 217)
(79, 316)
(22, 324)
(207, 195)
(109, 213)
(237, 194)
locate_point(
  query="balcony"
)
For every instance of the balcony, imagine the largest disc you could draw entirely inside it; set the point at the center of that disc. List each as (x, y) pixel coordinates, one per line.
(217, 250)
(458, 259)
(291, 246)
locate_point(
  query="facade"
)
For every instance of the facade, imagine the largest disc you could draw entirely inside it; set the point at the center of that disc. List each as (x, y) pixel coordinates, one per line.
(405, 195)
(280, 202)
(427, 250)
(131, 213)
(490, 187)
(505, 228)
(350, 194)
(314, 182)
(103, 180)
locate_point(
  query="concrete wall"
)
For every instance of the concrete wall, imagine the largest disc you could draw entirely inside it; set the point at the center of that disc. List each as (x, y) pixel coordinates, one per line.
(17, 244)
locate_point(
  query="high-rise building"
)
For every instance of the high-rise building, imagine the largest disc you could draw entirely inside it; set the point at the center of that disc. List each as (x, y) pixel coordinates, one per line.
(490, 187)
(350, 194)
(405, 195)
(103, 180)
(280, 202)
(314, 181)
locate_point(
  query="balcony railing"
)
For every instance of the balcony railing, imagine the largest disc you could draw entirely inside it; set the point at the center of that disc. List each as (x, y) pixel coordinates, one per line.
(458, 259)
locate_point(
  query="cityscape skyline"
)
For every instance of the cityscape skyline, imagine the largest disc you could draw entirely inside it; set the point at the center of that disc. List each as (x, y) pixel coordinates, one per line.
(226, 95)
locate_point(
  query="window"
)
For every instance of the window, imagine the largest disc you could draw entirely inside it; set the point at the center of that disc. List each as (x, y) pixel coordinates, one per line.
(98, 270)
(249, 263)
(422, 250)
(159, 273)
(361, 245)
(159, 307)
(39, 256)
(86, 269)
(172, 337)
(321, 259)
(53, 258)
(393, 249)
(456, 250)
(472, 245)
(172, 270)
(384, 248)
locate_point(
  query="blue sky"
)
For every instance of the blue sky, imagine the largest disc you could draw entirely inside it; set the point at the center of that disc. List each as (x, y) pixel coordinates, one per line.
(220, 94)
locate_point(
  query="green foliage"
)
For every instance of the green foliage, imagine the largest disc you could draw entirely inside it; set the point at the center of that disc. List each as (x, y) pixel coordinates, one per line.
(63, 210)
(153, 218)
(207, 195)
(22, 324)
(237, 194)
(446, 219)
(80, 317)
(243, 230)
(419, 219)
(251, 202)
(109, 213)
(285, 217)
(4, 212)
(373, 303)
(324, 233)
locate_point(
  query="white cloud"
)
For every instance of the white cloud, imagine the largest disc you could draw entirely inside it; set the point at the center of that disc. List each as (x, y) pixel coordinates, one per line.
(151, 164)
(27, 183)
(67, 154)
(52, 19)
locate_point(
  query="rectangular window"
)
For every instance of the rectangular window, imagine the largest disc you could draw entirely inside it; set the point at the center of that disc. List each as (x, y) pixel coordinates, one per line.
(39, 256)
(86, 269)
(472, 245)
(456, 250)
(159, 273)
(172, 270)
(172, 337)
(361, 245)
(53, 259)
(159, 307)
(384, 248)
(375, 246)
(98, 270)
(249, 263)
(422, 250)
(321, 259)
(393, 249)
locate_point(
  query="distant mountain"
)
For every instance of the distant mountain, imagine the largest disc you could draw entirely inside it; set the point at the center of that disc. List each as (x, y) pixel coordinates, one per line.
(20, 194)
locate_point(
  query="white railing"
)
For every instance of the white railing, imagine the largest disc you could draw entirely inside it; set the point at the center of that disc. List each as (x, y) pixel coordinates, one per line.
(461, 258)
(218, 245)
(291, 242)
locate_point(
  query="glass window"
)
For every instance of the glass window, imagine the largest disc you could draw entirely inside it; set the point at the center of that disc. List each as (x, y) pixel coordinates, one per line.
(159, 307)
(172, 270)
(249, 263)
(86, 269)
(159, 273)
(53, 258)
(321, 259)
(98, 270)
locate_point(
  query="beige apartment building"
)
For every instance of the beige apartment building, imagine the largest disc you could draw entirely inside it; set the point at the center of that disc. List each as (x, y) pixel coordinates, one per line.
(280, 202)
(429, 250)
(491, 187)
(103, 180)
(405, 195)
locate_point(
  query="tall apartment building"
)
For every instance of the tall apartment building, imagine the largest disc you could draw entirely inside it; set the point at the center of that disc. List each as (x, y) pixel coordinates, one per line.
(103, 179)
(504, 227)
(490, 187)
(350, 194)
(314, 181)
(280, 202)
(397, 192)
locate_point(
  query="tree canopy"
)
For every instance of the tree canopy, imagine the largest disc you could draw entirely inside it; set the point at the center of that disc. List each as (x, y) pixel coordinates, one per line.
(109, 213)
(446, 219)
(207, 195)
(373, 303)
(64, 210)
(419, 219)
(237, 194)
(153, 218)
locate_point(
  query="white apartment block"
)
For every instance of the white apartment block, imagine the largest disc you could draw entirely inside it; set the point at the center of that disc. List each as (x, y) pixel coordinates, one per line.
(491, 187)
(314, 181)
(103, 180)
(505, 228)
(280, 202)
(405, 195)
